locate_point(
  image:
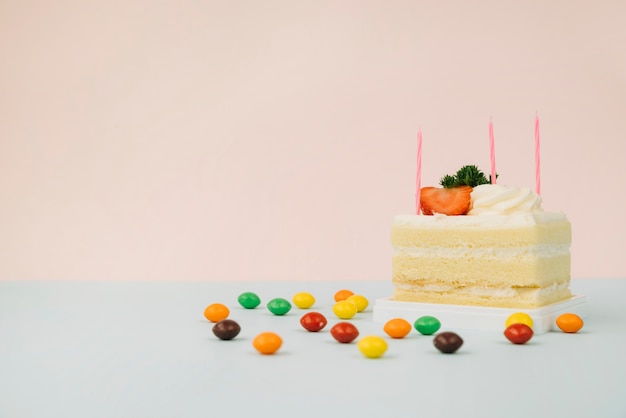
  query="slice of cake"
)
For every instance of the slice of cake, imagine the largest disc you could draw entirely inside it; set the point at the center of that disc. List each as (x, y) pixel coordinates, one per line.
(503, 252)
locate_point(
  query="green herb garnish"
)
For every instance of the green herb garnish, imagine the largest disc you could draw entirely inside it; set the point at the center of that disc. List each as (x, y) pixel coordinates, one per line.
(468, 175)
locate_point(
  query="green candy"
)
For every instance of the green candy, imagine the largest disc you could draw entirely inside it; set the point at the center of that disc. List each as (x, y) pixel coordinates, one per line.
(279, 306)
(249, 300)
(427, 325)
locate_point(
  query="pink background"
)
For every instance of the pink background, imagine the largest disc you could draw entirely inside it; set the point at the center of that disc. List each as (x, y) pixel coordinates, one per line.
(212, 140)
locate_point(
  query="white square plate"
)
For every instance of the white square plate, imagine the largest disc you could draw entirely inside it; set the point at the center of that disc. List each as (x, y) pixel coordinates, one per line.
(454, 317)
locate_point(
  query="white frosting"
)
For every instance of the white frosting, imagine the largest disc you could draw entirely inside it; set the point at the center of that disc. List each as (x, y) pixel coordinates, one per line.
(495, 199)
(493, 206)
(483, 221)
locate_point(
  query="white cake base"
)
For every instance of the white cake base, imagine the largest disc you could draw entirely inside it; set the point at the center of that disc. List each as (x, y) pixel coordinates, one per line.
(455, 317)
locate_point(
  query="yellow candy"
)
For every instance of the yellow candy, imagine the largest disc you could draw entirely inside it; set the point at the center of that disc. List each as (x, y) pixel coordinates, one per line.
(344, 309)
(303, 300)
(372, 346)
(519, 318)
(360, 301)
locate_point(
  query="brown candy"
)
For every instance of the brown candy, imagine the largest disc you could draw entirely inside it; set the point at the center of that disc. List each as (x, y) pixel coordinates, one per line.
(448, 342)
(226, 329)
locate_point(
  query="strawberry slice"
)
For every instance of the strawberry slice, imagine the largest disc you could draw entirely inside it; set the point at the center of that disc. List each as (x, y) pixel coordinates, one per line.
(447, 201)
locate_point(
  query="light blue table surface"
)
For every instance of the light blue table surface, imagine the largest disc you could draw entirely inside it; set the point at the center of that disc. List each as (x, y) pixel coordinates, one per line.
(144, 349)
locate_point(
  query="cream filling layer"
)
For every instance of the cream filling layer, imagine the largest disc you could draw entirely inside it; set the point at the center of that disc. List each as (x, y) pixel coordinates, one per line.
(535, 251)
(498, 292)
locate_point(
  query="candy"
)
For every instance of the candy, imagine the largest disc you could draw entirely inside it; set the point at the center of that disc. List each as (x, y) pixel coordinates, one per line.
(226, 329)
(313, 321)
(303, 300)
(519, 318)
(249, 300)
(569, 322)
(344, 309)
(518, 333)
(216, 312)
(360, 301)
(344, 332)
(279, 306)
(397, 328)
(427, 325)
(372, 346)
(267, 342)
(343, 294)
(447, 342)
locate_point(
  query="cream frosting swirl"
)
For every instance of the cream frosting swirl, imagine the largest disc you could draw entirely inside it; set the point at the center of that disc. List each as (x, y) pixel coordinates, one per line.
(496, 199)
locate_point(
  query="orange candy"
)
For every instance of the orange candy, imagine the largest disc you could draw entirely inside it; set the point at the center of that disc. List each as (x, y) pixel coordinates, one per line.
(569, 322)
(267, 342)
(343, 294)
(397, 328)
(216, 312)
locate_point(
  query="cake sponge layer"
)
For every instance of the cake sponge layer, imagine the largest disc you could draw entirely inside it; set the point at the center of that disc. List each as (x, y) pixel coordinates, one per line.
(489, 270)
(498, 231)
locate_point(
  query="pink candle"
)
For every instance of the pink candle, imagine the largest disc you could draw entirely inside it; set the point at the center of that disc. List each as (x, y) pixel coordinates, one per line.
(492, 151)
(419, 171)
(537, 157)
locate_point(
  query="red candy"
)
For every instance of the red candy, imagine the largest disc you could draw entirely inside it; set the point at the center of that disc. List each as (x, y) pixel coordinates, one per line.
(313, 321)
(344, 332)
(518, 333)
